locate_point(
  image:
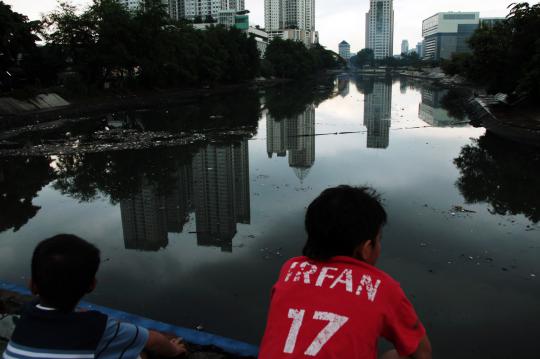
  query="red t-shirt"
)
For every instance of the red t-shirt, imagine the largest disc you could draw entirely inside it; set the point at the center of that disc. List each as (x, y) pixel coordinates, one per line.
(337, 309)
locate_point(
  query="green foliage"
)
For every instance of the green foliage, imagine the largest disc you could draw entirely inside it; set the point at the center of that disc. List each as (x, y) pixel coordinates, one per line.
(365, 57)
(108, 44)
(292, 59)
(505, 57)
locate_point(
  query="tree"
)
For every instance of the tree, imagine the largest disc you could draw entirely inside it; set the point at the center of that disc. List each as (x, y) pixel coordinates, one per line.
(18, 38)
(365, 57)
(289, 59)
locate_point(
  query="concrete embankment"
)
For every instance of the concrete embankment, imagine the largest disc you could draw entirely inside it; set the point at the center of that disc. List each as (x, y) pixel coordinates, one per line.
(46, 101)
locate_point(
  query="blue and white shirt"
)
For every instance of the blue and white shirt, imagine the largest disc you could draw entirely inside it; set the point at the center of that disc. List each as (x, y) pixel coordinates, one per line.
(45, 333)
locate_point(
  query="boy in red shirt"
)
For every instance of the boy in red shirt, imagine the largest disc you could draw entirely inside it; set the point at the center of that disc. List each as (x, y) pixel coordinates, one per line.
(333, 302)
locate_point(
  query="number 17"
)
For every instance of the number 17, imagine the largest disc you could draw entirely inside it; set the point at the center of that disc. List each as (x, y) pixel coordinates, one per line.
(335, 322)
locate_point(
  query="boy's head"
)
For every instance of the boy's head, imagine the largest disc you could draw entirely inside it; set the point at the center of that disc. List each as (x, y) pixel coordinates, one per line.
(64, 269)
(345, 221)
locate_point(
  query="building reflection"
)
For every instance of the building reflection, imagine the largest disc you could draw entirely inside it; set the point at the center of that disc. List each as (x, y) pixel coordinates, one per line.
(432, 108)
(377, 114)
(221, 193)
(343, 85)
(214, 186)
(295, 137)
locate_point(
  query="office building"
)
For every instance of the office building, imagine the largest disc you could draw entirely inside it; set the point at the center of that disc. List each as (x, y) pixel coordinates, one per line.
(447, 33)
(291, 20)
(345, 50)
(293, 137)
(221, 193)
(380, 28)
(405, 47)
(377, 114)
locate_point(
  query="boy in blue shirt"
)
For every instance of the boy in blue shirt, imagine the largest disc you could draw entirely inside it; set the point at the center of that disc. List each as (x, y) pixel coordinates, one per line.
(64, 269)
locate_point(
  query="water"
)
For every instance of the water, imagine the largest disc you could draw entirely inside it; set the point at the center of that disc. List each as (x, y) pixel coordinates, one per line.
(196, 235)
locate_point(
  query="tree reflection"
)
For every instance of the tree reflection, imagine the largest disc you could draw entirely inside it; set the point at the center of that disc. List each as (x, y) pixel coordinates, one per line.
(292, 99)
(504, 174)
(118, 174)
(20, 181)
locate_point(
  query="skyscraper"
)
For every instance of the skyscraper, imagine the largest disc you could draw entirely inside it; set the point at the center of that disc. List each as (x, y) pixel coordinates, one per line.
(291, 19)
(380, 28)
(405, 47)
(377, 115)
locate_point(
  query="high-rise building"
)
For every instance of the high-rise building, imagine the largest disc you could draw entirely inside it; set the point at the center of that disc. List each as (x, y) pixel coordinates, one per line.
(177, 9)
(377, 114)
(210, 8)
(221, 193)
(294, 137)
(405, 47)
(380, 28)
(447, 33)
(345, 50)
(291, 19)
(490, 22)
(420, 49)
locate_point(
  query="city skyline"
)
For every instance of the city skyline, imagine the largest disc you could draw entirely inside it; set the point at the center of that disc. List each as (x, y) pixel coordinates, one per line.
(339, 20)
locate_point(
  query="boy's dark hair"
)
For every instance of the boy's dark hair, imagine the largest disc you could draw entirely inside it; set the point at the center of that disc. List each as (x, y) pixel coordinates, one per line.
(340, 219)
(63, 270)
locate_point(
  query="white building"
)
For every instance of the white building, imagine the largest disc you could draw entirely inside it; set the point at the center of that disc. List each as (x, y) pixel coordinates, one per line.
(204, 8)
(446, 33)
(261, 37)
(291, 19)
(380, 28)
(405, 47)
(345, 50)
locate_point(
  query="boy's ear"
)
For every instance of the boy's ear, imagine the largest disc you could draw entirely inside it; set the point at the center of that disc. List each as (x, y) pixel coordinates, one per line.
(33, 287)
(363, 251)
(92, 286)
(367, 250)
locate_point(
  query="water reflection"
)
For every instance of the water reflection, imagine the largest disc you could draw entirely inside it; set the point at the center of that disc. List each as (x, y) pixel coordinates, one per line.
(215, 186)
(378, 113)
(20, 182)
(221, 193)
(442, 107)
(294, 136)
(504, 174)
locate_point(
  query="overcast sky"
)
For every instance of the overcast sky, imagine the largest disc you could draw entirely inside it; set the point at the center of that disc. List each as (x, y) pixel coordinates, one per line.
(339, 20)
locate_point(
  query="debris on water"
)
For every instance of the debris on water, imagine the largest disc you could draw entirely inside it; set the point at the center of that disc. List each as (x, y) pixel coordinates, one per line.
(251, 236)
(488, 259)
(504, 269)
(470, 258)
(532, 276)
(460, 209)
(423, 244)
(199, 327)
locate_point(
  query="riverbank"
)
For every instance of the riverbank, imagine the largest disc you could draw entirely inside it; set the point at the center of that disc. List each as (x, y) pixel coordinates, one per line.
(134, 100)
(12, 303)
